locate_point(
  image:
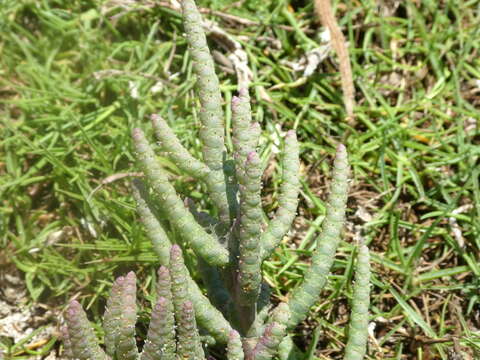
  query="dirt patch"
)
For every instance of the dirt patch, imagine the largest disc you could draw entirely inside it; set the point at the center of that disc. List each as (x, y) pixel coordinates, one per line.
(24, 327)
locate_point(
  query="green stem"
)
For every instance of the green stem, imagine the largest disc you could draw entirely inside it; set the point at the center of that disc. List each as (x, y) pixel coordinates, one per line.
(358, 327)
(288, 197)
(203, 243)
(307, 293)
(212, 131)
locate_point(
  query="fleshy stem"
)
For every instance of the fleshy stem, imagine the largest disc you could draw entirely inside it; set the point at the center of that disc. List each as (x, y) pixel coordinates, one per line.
(189, 345)
(273, 335)
(186, 162)
(113, 313)
(183, 221)
(207, 315)
(249, 276)
(288, 197)
(127, 346)
(158, 236)
(160, 343)
(307, 293)
(234, 346)
(212, 131)
(84, 344)
(245, 134)
(357, 332)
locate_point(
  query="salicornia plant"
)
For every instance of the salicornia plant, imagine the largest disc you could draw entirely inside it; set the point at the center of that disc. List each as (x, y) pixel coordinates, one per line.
(229, 246)
(172, 333)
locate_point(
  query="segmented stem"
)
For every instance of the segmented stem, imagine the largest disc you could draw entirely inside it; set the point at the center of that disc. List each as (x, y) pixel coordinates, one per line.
(160, 343)
(175, 150)
(207, 315)
(111, 318)
(245, 134)
(250, 276)
(161, 333)
(179, 275)
(234, 346)
(212, 131)
(307, 293)
(274, 333)
(83, 342)
(288, 197)
(164, 284)
(189, 346)
(127, 345)
(67, 345)
(202, 242)
(161, 243)
(357, 332)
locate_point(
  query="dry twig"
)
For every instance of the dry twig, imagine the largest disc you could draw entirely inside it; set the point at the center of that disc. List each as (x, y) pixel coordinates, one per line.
(323, 9)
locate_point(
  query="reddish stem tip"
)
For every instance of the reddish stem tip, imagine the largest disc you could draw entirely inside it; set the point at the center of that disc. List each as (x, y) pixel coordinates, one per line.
(137, 133)
(74, 308)
(233, 334)
(130, 276)
(175, 251)
(162, 271)
(243, 91)
(252, 156)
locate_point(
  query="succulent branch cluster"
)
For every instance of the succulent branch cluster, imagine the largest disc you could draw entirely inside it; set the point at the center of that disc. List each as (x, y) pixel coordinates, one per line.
(229, 247)
(172, 333)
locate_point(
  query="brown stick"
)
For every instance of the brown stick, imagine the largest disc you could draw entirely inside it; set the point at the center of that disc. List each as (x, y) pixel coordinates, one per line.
(323, 9)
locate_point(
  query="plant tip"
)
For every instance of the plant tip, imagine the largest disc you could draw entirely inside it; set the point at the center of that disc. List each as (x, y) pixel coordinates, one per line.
(243, 91)
(252, 156)
(136, 133)
(155, 117)
(341, 148)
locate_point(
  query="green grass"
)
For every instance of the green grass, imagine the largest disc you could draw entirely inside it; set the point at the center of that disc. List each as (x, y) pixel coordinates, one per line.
(68, 71)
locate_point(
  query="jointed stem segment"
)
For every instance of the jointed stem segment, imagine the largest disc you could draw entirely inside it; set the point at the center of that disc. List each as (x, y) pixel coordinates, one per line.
(288, 197)
(157, 234)
(83, 344)
(160, 343)
(127, 345)
(357, 334)
(249, 276)
(212, 131)
(307, 293)
(183, 221)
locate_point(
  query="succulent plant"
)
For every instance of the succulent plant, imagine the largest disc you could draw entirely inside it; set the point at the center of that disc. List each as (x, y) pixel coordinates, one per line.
(172, 333)
(229, 247)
